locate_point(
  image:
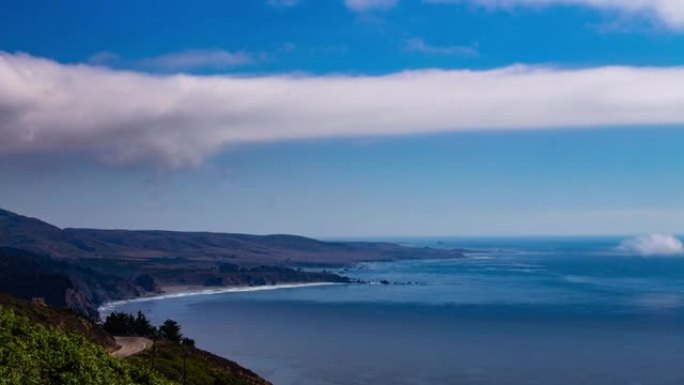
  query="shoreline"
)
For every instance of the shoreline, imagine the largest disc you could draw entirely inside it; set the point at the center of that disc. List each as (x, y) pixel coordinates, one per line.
(190, 291)
(179, 291)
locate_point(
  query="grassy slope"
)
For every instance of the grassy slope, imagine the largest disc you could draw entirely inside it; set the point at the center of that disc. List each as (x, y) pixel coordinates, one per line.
(34, 354)
(38, 342)
(202, 368)
(63, 319)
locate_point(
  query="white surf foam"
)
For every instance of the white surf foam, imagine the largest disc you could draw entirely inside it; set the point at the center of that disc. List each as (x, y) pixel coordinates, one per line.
(109, 306)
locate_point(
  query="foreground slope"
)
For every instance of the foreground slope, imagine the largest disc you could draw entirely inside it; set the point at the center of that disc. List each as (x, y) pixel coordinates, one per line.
(63, 319)
(46, 346)
(201, 367)
(32, 353)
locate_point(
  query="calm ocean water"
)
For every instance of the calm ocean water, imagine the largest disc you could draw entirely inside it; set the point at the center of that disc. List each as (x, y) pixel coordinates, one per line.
(519, 311)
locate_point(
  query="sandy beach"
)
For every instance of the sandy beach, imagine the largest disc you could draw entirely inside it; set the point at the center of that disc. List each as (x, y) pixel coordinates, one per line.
(177, 291)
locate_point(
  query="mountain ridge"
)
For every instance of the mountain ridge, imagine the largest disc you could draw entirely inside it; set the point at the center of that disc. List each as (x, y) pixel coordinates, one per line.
(282, 249)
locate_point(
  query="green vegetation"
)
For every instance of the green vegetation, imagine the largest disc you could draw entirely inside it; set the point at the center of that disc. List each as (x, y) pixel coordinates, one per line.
(170, 330)
(175, 356)
(124, 324)
(179, 361)
(43, 345)
(65, 320)
(35, 354)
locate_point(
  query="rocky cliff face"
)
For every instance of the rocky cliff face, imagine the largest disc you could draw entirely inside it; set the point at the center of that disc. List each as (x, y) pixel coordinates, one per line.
(28, 275)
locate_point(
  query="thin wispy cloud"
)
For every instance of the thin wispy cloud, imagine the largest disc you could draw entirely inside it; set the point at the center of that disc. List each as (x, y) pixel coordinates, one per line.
(283, 3)
(183, 61)
(669, 12)
(179, 120)
(354, 5)
(418, 45)
(198, 59)
(370, 5)
(105, 58)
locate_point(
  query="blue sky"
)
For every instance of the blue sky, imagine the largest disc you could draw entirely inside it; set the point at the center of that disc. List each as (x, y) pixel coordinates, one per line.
(324, 36)
(299, 117)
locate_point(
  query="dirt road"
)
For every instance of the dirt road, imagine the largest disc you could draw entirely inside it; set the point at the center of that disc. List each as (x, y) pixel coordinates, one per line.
(131, 346)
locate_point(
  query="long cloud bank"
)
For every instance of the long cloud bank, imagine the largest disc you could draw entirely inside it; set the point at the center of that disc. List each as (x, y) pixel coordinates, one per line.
(179, 120)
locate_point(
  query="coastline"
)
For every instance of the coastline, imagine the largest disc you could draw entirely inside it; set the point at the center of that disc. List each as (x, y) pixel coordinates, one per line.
(179, 291)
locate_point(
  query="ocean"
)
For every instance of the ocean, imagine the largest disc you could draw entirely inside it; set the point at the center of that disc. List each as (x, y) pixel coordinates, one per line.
(546, 311)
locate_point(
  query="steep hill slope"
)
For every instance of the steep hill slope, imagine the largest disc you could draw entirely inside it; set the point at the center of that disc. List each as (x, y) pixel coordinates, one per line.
(27, 275)
(63, 319)
(34, 354)
(42, 345)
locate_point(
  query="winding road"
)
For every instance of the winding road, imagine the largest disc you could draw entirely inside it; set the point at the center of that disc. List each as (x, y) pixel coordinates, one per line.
(130, 346)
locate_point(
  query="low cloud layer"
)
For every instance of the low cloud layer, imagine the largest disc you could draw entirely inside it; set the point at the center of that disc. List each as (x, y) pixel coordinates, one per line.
(669, 12)
(653, 245)
(179, 120)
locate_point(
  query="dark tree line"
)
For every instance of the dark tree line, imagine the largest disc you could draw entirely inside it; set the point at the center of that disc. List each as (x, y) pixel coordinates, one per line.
(124, 324)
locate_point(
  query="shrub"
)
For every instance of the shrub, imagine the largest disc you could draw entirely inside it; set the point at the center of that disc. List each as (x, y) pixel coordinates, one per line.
(33, 354)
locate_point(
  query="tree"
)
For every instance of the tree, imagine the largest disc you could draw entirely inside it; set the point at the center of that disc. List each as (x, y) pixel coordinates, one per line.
(187, 342)
(123, 324)
(170, 330)
(119, 323)
(143, 327)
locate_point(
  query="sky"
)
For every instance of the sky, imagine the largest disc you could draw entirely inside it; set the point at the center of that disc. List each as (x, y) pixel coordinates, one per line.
(345, 118)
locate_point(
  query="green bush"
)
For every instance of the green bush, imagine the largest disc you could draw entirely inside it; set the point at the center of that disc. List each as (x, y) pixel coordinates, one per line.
(33, 354)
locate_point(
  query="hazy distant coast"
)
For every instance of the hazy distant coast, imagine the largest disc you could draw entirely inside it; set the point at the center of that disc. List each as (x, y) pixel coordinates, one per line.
(85, 268)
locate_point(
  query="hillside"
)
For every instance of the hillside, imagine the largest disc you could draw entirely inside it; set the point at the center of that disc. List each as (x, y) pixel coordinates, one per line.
(202, 367)
(34, 354)
(62, 319)
(84, 268)
(27, 275)
(32, 234)
(46, 346)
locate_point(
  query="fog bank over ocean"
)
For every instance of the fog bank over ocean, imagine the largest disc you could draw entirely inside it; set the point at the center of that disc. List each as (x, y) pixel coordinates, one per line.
(552, 311)
(653, 245)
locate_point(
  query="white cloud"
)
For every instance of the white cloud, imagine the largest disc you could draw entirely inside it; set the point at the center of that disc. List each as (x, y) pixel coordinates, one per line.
(419, 45)
(653, 244)
(370, 5)
(669, 12)
(179, 120)
(197, 59)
